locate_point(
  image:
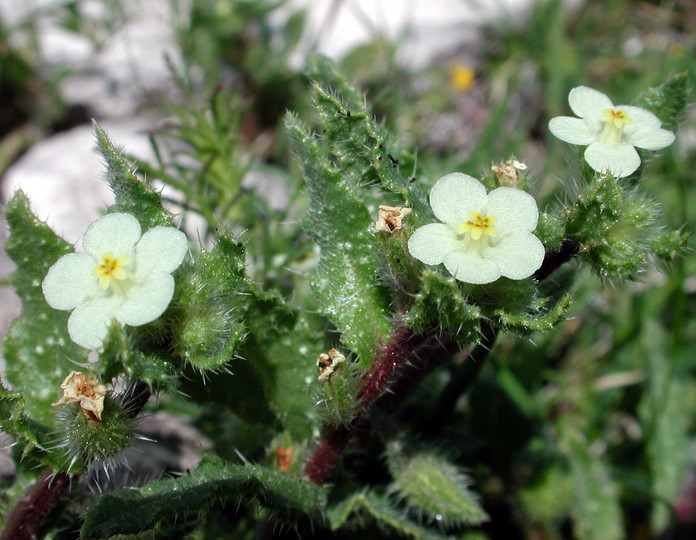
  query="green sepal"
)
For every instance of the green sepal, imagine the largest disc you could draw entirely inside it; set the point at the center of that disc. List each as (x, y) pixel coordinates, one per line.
(132, 195)
(434, 487)
(37, 348)
(120, 356)
(338, 404)
(129, 511)
(346, 284)
(378, 509)
(618, 228)
(208, 310)
(539, 320)
(667, 245)
(667, 101)
(550, 231)
(442, 302)
(84, 441)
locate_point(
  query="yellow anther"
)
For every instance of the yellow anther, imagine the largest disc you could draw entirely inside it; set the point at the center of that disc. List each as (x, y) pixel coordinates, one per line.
(477, 226)
(614, 122)
(111, 268)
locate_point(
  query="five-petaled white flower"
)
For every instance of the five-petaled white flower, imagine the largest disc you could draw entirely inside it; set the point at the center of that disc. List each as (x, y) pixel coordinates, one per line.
(611, 132)
(122, 275)
(484, 236)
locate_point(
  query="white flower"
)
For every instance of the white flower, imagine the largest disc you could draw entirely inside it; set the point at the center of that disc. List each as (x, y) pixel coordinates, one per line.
(121, 276)
(484, 236)
(611, 132)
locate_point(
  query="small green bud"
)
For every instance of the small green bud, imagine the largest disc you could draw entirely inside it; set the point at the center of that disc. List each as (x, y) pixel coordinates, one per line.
(340, 380)
(95, 425)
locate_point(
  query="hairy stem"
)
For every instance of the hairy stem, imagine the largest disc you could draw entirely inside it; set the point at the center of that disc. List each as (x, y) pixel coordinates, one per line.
(39, 499)
(396, 368)
(554, 259)
(390, 358)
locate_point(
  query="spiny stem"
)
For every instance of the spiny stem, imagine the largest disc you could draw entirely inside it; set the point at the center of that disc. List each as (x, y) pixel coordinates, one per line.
(554, 259)
(389, 359)
(391, 370)
(39, 499)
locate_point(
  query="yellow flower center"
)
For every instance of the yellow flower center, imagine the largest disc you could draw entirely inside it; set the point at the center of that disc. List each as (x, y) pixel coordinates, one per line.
(111, 268)
(614, 123)
(478, 226)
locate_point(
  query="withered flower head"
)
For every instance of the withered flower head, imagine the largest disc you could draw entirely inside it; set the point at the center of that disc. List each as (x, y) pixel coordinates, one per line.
(85, 391)
(327, 363)
(390, 218)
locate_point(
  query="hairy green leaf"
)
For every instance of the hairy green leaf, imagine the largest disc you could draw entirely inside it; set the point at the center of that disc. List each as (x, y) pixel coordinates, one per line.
(283, 350)
(378, 509)
(597, 511)
(38, 350)
(133, 196)
(129, 511)
(347, 283)
(666, 416)
(667, 101)
(209, 308)
(437, 488)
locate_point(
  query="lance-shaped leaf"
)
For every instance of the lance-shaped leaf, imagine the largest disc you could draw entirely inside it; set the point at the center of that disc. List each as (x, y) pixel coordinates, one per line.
(283, 351)
(38, 350)
(347, 283)
(434, 487)
(665, 413)
(537, 321)
(597, 513)
(376, 508)
(360, 144)
(129, 511)
(132, 195)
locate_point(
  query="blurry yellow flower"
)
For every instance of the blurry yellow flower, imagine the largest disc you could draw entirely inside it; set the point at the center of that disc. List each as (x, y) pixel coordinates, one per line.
(462, 77)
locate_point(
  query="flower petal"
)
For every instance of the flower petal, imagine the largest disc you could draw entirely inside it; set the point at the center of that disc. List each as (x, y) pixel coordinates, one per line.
(455, 196)
(640, 117)
(432, 242)
(146, 301)
(651, 138)
(518, 255)
(70, 281)
(161, 249)
(587, 102)
(89, 322)
(619, 160)
(470, 267)
(571, 130)
(114, 233)
(515, 210)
